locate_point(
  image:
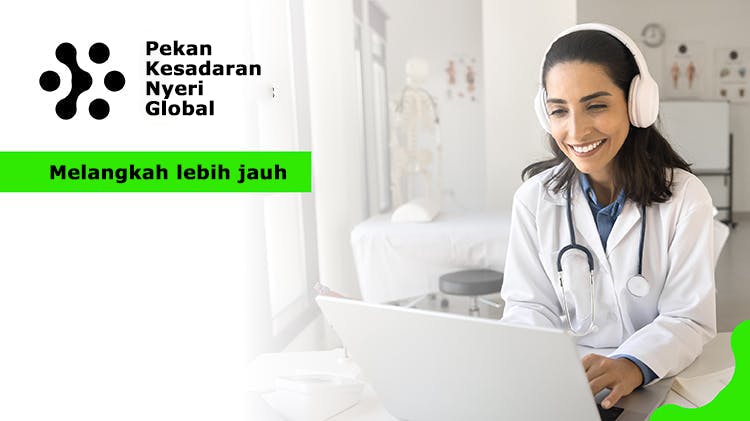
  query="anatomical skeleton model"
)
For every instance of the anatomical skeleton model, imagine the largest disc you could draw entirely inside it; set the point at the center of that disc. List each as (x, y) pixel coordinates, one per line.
(415, 138)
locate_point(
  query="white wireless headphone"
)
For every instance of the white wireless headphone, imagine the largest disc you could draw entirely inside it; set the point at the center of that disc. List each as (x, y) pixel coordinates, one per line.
(643, 98)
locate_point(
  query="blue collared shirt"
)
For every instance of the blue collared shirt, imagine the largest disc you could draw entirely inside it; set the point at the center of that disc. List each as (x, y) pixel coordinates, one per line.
(605, 217)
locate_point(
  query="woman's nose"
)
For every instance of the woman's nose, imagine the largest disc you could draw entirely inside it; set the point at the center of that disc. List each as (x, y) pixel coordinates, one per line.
(579, 126)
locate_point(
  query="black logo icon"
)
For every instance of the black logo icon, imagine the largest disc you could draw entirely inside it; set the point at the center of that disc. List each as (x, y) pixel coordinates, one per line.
(81, 81)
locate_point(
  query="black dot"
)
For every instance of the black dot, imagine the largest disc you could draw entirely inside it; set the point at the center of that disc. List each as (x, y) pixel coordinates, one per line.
(99, 108)
(733, 55)
(65, 52)
(114, 81)
(49, 81)
(682, 49)
(81, 80)
(65, 109)
(99, 53)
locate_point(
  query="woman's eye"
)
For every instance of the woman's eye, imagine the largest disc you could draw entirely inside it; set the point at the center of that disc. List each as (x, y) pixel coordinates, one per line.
(597, 106)
(558, 112)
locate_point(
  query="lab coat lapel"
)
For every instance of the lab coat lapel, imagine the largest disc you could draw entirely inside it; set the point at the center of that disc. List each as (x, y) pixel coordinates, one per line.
(583, 221)
(629, 217)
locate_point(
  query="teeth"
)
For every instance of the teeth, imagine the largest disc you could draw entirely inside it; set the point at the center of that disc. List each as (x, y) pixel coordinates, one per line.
(587, 148)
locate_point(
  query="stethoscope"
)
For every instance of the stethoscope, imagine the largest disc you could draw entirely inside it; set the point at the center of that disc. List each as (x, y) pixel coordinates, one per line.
(637, 285)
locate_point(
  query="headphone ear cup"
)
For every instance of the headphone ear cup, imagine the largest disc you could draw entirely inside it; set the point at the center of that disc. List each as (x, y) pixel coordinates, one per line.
(540, 106)
(633, 102)
(643, 102)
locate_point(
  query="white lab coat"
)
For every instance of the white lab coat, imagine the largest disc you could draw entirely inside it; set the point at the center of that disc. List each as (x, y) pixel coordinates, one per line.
(667, 328)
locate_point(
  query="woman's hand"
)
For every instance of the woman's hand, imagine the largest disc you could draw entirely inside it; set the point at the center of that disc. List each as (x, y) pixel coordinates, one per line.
(620, 375)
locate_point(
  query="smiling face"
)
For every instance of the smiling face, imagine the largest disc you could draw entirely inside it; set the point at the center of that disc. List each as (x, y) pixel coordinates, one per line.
(588, 116)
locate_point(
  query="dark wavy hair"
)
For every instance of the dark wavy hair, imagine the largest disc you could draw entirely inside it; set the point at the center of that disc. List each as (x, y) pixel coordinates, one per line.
(645, 163)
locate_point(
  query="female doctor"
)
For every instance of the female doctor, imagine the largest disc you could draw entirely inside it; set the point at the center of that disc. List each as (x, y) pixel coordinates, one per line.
(612, 238)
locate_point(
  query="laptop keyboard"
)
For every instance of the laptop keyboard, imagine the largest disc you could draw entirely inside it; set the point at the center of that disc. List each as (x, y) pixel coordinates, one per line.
(610, 414)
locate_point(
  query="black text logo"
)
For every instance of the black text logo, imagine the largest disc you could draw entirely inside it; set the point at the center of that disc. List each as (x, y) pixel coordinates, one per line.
(81, 81)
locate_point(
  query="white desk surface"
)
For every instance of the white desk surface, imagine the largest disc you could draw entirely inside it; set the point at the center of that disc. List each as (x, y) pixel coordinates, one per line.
(717, 355)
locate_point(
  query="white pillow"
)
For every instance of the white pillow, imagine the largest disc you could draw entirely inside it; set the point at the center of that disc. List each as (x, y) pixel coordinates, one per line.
(417, 210)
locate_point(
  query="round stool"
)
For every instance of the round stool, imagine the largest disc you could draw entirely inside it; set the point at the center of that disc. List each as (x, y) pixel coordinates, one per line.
(472, 283)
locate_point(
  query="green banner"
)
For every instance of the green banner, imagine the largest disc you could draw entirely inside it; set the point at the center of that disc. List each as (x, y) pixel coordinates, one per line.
(155, 172)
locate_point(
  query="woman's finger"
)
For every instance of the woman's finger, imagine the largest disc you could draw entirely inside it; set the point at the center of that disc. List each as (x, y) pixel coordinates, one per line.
(614, 396)
(599, 383)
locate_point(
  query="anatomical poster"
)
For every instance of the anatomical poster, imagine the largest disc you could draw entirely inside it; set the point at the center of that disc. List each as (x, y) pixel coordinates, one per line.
(684, 69)
(731, 73)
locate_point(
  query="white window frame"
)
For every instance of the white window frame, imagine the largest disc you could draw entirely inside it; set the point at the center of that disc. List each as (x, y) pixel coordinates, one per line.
(369, 20)
(287, 79)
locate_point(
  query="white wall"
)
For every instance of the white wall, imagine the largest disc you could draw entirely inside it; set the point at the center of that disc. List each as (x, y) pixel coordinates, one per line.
(719, 23)
(438, 30)
(515, 36)
(338, 169)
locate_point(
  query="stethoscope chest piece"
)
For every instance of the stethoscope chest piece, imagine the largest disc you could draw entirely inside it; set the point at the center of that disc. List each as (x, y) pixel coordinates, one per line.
(638, 286)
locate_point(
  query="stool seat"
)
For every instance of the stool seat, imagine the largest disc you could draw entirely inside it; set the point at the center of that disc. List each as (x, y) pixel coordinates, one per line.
(471, 282)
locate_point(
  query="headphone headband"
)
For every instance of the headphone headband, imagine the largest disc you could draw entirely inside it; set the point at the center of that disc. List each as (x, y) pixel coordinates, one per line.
(640, 60)
(643, 98)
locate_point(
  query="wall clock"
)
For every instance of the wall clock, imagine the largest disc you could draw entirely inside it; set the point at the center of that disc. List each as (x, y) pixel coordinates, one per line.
(653, 35)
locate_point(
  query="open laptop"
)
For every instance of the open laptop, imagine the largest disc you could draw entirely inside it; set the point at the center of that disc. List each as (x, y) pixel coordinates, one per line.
(429, 366)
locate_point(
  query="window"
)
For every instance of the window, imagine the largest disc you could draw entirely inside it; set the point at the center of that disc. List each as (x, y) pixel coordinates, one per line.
(284, 266)
(372, 88)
